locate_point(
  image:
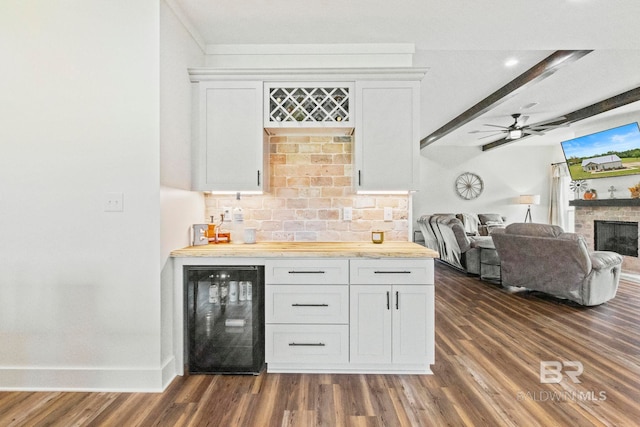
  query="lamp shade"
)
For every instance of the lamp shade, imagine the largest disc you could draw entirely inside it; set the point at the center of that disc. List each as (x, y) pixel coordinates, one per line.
(529, 199)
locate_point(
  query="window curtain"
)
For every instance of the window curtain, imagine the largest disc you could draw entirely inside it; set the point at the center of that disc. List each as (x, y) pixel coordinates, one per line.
(559, 195)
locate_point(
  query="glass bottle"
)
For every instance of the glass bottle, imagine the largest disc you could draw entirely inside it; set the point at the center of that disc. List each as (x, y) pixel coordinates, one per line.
(237, 235)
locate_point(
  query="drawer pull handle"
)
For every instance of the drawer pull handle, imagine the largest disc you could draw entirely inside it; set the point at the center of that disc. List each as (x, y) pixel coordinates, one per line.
(309, 305)
(302, 344)
(392, 272)
(306, 272)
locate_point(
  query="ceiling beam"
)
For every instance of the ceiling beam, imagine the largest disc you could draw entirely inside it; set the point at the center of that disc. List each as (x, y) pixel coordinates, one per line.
(538, 72)
(603, 106)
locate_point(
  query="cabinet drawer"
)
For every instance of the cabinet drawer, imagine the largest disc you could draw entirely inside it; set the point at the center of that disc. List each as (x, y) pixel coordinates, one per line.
(391, 271)
(328, 304)
(307, 272)
(307, 343)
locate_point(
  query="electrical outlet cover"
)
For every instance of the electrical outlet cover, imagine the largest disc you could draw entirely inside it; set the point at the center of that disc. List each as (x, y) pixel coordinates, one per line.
(388, 214)
(347, 213)
(114, 202)
(227, 213)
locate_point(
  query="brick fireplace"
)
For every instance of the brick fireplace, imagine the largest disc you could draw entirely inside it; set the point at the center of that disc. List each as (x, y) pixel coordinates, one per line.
(623, 210)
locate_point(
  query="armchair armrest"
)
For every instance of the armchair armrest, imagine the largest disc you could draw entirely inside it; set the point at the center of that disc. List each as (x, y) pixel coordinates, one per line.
(604, 259)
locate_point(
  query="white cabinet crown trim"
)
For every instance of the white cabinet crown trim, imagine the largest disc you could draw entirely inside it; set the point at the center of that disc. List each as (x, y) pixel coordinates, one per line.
(307, 74)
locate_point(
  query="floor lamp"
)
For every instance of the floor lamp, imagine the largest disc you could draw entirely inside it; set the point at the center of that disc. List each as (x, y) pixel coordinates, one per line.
(529, 199)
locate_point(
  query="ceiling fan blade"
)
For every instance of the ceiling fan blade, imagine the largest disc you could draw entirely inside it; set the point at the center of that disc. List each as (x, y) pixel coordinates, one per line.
(533, 131)
(484, 131)
(557, 119)
(497, 126)
(522, 120)
(543, 127)
(489, 136)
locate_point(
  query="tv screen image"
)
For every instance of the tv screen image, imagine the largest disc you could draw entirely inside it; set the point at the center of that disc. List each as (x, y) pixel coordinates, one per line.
(612, 152)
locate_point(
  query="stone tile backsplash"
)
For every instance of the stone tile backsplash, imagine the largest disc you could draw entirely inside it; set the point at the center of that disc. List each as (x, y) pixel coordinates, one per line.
(310, 184)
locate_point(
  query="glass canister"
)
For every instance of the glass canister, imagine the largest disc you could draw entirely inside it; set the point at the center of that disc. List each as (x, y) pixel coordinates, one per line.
(377, 236)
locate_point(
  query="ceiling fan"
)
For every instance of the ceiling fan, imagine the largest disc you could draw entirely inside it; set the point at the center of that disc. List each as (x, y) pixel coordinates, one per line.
(518, 129)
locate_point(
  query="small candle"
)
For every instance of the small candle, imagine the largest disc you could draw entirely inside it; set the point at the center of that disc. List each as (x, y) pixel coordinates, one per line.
(377, 236)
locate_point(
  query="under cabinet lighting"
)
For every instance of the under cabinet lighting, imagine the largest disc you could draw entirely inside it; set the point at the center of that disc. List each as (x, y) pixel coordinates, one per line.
(223, 193)
(396, 192)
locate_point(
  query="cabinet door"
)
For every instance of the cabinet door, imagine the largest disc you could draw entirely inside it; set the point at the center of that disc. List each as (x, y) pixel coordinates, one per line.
(370, 326)
(413, 324)
(387, 140)
(229, 150)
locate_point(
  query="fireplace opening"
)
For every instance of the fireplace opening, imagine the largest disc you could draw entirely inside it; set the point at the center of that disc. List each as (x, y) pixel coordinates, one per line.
(616, 236)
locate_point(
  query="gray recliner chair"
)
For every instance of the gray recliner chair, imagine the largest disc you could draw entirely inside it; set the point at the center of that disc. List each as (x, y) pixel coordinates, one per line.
(446, 234)
(544, 258)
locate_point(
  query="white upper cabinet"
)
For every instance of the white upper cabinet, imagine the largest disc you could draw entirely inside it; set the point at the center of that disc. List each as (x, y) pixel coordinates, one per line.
(229, 146)
(387, 136)
(309, 106)
(234, 111)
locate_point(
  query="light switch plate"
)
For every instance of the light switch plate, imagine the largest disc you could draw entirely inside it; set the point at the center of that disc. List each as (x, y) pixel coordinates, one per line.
(388, 214)
(114, 202)
(347, 213)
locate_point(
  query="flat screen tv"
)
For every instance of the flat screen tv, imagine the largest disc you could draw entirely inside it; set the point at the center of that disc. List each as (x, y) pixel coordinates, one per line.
(612, 152)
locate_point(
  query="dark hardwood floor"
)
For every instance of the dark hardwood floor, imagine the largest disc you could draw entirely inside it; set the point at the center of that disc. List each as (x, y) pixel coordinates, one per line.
(490, 343)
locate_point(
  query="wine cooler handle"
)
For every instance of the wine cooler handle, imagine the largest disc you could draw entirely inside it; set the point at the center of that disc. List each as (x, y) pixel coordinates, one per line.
(306, 272)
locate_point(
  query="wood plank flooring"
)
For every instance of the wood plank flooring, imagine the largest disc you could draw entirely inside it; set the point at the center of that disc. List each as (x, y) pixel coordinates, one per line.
(489, 345)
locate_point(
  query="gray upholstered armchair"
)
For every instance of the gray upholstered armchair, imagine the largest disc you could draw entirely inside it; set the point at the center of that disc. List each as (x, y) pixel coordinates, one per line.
(544, 258)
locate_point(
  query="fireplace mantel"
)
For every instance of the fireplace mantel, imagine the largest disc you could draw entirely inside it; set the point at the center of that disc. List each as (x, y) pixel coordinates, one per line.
(604, 202)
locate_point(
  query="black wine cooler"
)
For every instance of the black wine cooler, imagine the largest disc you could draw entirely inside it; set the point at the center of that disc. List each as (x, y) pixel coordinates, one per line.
(225, 323)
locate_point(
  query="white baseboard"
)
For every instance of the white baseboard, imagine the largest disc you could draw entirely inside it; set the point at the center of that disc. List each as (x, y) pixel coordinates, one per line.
(88, 380)
(168, 372)
(630, 277)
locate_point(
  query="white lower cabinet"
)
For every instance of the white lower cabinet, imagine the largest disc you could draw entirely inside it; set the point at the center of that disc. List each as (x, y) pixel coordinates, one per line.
(349, 315)
(391, 324)
(310, 344)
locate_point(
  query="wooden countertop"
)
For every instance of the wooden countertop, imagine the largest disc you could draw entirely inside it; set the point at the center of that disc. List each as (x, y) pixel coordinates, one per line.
(309, 249)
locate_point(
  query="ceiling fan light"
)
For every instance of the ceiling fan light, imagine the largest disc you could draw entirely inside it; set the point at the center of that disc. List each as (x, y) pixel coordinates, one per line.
(515, 133)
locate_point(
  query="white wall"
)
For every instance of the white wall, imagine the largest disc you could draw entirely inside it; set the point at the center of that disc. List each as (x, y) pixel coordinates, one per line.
(180, 208)
(507, 172)
(79, 287)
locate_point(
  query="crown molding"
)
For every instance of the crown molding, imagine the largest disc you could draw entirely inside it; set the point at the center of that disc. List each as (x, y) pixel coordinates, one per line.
(187, 24)
(306, 74)
(312, 49)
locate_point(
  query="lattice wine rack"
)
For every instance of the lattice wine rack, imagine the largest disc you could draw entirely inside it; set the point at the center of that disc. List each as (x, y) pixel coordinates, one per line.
(329, 105)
